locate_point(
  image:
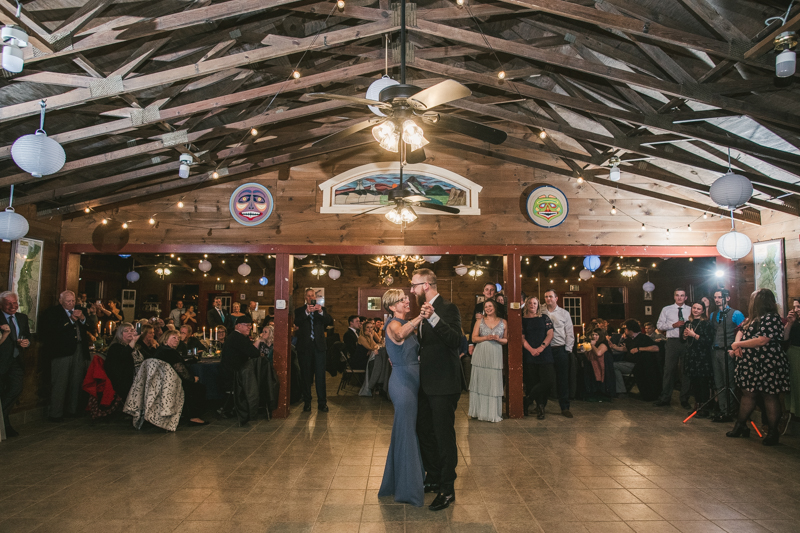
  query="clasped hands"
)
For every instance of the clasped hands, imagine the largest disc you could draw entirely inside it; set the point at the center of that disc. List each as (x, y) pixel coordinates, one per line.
(426, 311)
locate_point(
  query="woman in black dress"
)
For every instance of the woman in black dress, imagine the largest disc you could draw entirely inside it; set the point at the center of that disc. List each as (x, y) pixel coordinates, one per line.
(121, 359)
(762, 368)
(538, 372)
(194, 392)
(699, 335)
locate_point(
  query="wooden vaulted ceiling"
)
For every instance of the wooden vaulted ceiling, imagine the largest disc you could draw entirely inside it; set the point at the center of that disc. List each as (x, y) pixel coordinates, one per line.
(130, 85)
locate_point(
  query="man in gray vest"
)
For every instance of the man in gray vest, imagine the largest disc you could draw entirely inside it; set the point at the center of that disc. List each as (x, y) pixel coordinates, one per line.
(725, 321)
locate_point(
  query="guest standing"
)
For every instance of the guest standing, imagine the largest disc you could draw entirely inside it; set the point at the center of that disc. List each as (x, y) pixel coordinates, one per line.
(563, 342)
(189, 317)
(725, 322)
(233, 316)
(403, 475)
(763, 369)
(699, 335)
(122, 358)
(311, 321)
(486, 382)
(489, 291)
(791, 333)
(63, 330)
(15, 340)
(671, 321)
(177, 314)
(538, 373)
(216, 316)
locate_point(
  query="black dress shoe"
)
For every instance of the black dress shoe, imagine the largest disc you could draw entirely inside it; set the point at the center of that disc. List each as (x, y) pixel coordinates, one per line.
(431, 487)
(323, 408)
(442, 501)
(56, 419)
(307, 407)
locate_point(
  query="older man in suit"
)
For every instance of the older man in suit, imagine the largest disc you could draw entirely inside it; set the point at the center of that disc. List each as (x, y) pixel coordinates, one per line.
(216, 316)
(63, 330)
(440, 338)
(311, 321)
(12, 369)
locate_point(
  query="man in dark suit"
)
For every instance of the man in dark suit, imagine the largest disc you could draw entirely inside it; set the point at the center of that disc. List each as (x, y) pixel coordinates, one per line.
(350, 338)
(12, 369)
(440, 387)
(311, 321)
(63, 330)
(216, 316)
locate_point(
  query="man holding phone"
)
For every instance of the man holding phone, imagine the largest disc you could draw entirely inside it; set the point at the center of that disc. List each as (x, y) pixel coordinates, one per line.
(311, 320)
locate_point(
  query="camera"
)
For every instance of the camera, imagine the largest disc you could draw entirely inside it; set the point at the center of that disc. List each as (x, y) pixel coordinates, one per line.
(138, 328)
(313, 302)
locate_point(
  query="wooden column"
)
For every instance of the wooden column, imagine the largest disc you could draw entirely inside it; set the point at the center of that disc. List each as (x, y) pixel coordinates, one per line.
(513, 290)
(284, 263)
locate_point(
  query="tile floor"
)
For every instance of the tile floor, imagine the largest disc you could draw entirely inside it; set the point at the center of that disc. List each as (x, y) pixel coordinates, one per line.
(619, 467)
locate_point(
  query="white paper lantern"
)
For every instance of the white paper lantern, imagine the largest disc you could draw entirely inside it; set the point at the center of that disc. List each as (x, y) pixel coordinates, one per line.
(648, 287)
(546, 257)
(461, 269)
(498, 287)
(585, 274)
(132, 276)
(263, 281)
(38, 154)
(13, 226)
(591, 262)
(301, 257)
(734, 245)
(204, 266)
(244, 269)
(374, 91)
(334, 274)
(431, 258)
(731, 190)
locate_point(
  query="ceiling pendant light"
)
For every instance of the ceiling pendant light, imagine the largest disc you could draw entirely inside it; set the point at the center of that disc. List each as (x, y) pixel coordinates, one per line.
(244, 269)
(37, 153)
(387, 136)
(183, 170)
(786, 60)
(413, 135)
(14, 39)
(614, 174)
(13, 226)
(734, 245)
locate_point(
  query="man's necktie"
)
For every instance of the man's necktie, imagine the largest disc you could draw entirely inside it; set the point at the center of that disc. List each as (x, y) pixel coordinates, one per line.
(311, 318)
(222, 316)
(77, 326)
(680, 313)
(13, 325)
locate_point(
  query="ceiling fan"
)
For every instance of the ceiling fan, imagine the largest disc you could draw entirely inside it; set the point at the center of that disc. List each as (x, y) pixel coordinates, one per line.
(400, 106)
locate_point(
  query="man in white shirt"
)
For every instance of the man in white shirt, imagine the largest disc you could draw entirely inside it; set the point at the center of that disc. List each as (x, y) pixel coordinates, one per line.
(561, 347)
(671, 321)
(177, 313)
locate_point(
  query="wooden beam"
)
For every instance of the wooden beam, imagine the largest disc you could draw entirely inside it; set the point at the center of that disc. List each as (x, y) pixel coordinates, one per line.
(766, 44)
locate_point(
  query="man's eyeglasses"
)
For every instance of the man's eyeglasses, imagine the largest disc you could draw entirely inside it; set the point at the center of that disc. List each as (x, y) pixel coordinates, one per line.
(415, 284)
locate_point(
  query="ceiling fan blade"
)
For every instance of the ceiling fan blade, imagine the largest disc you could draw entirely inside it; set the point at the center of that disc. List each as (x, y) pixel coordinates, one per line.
(355, 128)
(352, 99)
(439, 207)
(466, 127)
(439, 94)
(417, 156)
(369, 211)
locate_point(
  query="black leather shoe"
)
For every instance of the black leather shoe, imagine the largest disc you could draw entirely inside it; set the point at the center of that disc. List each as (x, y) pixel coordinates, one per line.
(323, 408)
(661, 403)
(431, 487)
(307, 407)
(442, 501)
(772, 438)
(740, 429)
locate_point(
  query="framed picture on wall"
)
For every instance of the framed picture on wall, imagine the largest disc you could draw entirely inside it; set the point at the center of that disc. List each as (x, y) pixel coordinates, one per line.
(26, 277)
(769, 269)
(648, 310)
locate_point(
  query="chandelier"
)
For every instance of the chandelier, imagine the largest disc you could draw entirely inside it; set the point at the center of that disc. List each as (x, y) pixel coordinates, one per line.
(391, 267)
(629, 273)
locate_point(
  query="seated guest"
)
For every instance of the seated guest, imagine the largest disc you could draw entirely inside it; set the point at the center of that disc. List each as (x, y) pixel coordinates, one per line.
(595, 373)
(219, 334)
(146, 344)
(268, 345)
(651, 331)
(643, 353)
(377, 331)
(237, 352)
(350, 338)
(194, 392)
(189, 317)
(367, 347)
(189, 342)
(122, 360)
(92, 321)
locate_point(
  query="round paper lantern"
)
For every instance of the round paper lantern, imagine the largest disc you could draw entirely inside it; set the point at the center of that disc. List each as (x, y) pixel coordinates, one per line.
(498, 287)
(731, 190)
(374, 92)
(461, 269)
(13, 226)
(38, 154)
(734, 245)
(648, 287)
(334, 274)
(244, 269)
(431, 258)
(546, 257)
(204, 266)
(591, 262)
(585, 274)
(263, 280)
(132, 276)
(301, 257)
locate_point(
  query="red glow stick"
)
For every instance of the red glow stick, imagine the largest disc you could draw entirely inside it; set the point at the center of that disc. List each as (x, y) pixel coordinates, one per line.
(756, 428)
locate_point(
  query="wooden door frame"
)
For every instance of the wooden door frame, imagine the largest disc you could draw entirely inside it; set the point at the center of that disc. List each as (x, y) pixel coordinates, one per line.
(284, 279)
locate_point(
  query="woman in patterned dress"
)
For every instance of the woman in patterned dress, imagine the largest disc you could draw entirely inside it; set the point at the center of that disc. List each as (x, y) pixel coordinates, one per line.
(699, 335)
(762, 368)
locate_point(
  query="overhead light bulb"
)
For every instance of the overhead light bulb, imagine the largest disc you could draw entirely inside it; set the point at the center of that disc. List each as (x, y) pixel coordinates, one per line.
(296, 74)
(215, 175)
(479, 272)
(543, 134)
(124, 225)
(580, 180)
(183, 170)
(472, 272)
(644, 228)
(340, 5)
(314, 271)
(689, 227)
(14, 39)
(786, 60)
(407, 214)
(180, 204)
(321, 271)
(413, 135)
(167, 272)
(501, 75)
(387, 136)
(160, 271)
(394, 216)
(152, 221)
(460, 3)
(705, 215)
(614, 174)
(613, 210)
(104, 221)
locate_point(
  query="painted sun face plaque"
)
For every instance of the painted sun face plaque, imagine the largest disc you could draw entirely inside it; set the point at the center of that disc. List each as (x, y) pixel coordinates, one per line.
(251, 204)
(547, 206)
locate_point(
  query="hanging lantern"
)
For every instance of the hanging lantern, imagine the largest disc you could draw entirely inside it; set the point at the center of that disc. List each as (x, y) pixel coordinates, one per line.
(132, 276)
(591, 262)
(461, 269)
(498, 287)
(431, 258)
(648, 287)
(263, 281)
(374, 92)
(734, 245)
(585, 274)
(204, 265)
(546, 257)
(301, 257)
(244, 269)
(334, 274)
(13, 226)
(37, 153)
(731, 191)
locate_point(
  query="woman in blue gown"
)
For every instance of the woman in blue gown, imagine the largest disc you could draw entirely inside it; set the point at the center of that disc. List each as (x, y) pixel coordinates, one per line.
(403, 475)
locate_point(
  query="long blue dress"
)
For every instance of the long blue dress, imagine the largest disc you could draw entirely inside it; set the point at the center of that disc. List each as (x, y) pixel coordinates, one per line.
(404, 475)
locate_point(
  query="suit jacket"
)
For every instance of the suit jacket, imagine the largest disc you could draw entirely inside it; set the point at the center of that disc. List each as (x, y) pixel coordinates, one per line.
(7, 348)
(60, 335)
(213, 319)
(303, 321)
(351, 341)
(440, 367)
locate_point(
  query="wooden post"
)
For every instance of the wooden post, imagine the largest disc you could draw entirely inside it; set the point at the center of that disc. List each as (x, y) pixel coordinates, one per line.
(513, 290)
(284, 263)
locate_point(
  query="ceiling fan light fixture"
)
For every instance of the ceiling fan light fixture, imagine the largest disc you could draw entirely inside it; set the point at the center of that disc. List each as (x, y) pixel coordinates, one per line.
(394, 216)
(387, 136)
(407, 214)
(413, 135)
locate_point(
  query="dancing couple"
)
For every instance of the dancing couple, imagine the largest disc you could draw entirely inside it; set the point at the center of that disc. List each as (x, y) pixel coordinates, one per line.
(425, 386)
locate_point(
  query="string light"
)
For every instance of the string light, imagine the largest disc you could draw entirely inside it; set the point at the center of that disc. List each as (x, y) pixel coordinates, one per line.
(705, 215)
(124, 225)
(87, 210)
(253, 132)
(180, 204)
(104, 221)
(580, 180)
(689, 227)
(215, 175)
(460, 3)
(613, 209)
(644, 228)
(543, 134)
(296, 74)
(340, 5)
(152, 221)
(501, 75)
